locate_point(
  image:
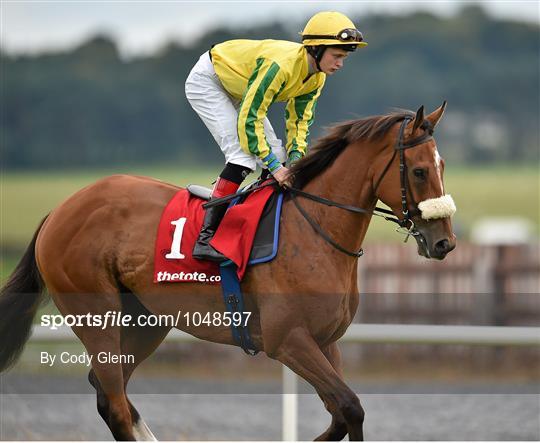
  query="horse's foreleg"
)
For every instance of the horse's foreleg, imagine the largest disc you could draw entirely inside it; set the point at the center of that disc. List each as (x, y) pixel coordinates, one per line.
(338, 428)
(300, 353)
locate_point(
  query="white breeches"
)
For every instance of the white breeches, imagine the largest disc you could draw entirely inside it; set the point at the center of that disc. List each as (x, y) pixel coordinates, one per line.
(219, 112)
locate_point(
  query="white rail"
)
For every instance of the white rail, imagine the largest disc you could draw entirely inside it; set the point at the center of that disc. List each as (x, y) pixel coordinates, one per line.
(380, 333)
(366, 333)
(443, 334)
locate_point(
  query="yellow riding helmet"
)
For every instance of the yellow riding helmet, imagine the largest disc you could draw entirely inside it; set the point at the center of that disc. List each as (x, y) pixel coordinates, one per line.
(331, 28)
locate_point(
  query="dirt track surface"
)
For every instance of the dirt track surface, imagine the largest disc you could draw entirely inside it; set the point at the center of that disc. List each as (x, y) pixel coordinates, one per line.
(257, 416)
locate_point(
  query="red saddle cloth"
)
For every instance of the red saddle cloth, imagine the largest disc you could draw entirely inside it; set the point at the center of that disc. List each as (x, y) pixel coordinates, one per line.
(179, 228)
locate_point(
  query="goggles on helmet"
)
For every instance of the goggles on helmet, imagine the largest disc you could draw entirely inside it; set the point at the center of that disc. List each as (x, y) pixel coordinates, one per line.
(346, 35)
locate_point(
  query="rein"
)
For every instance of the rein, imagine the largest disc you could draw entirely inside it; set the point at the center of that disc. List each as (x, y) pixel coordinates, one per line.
(295, 191)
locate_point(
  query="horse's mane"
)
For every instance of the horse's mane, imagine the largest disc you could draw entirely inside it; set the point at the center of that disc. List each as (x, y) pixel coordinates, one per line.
(327, 148)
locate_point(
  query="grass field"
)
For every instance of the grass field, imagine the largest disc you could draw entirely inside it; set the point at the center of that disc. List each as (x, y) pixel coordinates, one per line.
(27, 196)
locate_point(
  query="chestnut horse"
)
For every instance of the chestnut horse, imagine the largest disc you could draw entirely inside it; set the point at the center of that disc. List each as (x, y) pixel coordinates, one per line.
(94, 253)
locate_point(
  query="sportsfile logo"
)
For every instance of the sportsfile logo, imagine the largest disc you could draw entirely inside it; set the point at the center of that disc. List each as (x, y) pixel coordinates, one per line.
(109, 319)
(187, 276)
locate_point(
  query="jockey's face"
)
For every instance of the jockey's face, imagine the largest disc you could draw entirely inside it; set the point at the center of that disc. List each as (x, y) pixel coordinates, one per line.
(332, 60)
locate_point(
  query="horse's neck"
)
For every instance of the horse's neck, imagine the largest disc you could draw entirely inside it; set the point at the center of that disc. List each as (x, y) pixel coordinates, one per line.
(347, 181)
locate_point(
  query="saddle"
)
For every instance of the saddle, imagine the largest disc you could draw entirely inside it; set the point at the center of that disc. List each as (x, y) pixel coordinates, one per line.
(265, 243)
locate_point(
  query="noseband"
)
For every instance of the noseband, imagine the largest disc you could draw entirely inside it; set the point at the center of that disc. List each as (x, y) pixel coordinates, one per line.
(406, 225)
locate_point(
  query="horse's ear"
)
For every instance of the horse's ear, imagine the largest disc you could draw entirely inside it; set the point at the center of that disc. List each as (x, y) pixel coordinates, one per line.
(436, 115)
(418, 120)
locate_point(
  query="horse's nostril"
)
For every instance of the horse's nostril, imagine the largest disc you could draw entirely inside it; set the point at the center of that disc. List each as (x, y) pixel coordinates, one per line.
(442, 245)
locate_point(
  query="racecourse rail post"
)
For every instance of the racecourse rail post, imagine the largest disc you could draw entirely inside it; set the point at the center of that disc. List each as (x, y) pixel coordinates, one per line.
(289, 405)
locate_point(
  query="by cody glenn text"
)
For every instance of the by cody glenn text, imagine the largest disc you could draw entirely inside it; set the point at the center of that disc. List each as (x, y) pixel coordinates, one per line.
(68, 358)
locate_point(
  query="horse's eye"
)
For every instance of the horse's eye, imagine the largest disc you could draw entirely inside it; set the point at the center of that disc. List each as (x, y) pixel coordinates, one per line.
(419, 173)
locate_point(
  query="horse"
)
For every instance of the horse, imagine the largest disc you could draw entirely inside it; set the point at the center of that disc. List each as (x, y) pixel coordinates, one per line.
(94, 254)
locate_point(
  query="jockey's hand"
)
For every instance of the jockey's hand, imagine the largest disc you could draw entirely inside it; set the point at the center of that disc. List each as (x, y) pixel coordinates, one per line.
(282, 176)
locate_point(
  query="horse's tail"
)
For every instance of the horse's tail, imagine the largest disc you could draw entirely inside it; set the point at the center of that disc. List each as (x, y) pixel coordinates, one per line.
(19, 300)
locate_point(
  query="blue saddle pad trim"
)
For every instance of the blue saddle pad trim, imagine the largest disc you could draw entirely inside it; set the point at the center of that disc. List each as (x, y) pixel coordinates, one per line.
(271, 256)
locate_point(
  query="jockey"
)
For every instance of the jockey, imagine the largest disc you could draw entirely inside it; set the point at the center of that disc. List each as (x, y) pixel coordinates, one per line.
(232, 86)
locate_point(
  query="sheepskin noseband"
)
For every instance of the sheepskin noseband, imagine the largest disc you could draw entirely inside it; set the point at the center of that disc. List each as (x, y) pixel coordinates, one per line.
(440, 207)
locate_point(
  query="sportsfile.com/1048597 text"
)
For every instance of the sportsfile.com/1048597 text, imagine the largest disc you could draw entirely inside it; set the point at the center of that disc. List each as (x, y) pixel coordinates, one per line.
(117, 319)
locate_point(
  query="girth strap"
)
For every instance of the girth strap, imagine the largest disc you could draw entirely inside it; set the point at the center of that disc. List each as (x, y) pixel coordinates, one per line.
(234, 302)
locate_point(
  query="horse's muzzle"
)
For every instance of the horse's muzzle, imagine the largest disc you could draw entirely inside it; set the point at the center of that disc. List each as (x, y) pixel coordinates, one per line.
(438, 249)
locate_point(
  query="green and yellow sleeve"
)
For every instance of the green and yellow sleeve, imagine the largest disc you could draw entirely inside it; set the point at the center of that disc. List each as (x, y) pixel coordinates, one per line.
(299, 116)
(263, 87)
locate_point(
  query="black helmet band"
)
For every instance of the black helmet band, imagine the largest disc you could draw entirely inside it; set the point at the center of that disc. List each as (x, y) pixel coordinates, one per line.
(345, 35)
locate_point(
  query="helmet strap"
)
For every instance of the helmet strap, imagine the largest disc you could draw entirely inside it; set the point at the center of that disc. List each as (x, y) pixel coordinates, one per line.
(317, 53)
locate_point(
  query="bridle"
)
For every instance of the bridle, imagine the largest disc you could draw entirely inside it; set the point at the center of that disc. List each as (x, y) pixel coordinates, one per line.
(400, 148)
(405, 225)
